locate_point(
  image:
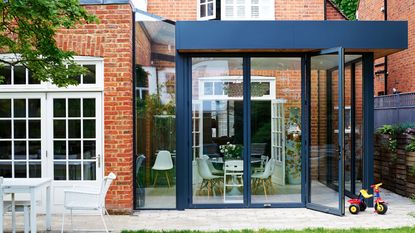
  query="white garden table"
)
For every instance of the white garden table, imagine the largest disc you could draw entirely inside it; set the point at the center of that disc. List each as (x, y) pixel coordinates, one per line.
(31, 186)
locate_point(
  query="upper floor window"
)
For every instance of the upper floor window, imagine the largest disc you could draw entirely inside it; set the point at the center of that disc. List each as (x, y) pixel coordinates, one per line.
(206, 9)
(248, 9)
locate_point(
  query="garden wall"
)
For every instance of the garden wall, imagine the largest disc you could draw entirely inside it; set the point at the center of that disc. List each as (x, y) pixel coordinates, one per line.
(395, 169)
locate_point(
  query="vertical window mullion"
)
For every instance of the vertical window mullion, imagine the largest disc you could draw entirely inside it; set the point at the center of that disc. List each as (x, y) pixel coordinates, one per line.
(67, 138)
(12, 75)
(12, 133)
(82, 136)
(27, 135)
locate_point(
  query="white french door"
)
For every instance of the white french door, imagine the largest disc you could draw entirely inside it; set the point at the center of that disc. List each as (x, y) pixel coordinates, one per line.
(74, 142)
(56, 135)
(22, 135)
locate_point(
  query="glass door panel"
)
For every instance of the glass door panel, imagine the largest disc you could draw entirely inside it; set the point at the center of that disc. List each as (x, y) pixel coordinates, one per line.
(275, 130)
(326, 151)
(217, 131)
(74, 142)
(21, 135)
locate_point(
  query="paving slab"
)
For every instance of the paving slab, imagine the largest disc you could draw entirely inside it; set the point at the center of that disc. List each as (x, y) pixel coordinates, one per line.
(398, 215)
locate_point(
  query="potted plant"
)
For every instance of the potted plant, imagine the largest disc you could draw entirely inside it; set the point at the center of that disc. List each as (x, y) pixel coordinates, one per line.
(231, 151)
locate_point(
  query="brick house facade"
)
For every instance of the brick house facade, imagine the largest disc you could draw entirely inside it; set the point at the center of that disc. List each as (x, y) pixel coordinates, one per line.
(400, 66)
(112, 40)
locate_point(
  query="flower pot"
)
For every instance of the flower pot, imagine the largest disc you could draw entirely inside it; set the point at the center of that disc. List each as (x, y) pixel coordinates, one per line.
(293, 178)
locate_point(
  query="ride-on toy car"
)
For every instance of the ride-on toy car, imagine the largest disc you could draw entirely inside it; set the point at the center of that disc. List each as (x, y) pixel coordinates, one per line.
(359, 204)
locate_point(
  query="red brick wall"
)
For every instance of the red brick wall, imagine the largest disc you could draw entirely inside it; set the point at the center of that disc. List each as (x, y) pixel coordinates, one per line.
(174, 9)
(333, 13)
(284, 9)
(112, 40)
(371, 10)
(401, 66)
(299, 10)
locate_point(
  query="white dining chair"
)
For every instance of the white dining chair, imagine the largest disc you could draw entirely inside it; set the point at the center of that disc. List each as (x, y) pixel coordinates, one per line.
(209, 180)
(264, 178)
(78, 199)
(211, 167)
(164, 163)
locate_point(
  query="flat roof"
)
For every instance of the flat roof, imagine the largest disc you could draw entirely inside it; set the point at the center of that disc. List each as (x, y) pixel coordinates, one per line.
(381, 37)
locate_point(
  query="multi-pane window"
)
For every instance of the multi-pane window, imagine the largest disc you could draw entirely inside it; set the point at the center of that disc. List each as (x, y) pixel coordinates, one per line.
(248, 9)
(206, 9)
(74, 138)
(20, 137)
(90, 77)
(19, 75)
(16, 75)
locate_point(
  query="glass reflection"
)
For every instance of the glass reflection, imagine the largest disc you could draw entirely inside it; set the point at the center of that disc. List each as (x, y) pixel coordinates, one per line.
(155, 162)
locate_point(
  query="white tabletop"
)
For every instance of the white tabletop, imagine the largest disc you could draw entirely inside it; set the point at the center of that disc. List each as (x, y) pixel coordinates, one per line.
(24, 182)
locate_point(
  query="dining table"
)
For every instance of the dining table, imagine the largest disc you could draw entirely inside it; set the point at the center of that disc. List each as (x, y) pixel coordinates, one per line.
(31, 186)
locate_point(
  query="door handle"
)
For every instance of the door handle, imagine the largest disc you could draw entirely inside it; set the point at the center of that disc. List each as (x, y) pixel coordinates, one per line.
(98, 158)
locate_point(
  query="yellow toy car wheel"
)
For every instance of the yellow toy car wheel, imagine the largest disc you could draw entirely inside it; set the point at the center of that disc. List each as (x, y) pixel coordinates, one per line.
(354, 209)
(381, 208)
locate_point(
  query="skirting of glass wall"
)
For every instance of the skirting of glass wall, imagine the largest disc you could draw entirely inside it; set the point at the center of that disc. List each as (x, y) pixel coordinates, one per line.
(155, 97)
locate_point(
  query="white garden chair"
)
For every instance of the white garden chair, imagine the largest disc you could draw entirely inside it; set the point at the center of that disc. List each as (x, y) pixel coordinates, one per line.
(88, 200)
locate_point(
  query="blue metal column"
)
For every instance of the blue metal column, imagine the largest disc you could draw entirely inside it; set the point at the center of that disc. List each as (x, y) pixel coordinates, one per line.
(305, 126)
(247, 129)
(341, 94)
(183, 129)
(368, 131)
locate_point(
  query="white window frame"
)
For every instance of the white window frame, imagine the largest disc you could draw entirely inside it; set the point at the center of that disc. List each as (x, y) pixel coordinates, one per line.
(235, 79)
(49, 87)
(248, 13)
(207, 17)
(13, 160)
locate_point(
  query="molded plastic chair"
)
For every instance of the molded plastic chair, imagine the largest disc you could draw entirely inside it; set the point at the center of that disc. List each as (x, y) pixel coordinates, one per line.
(88, 200)
(163, 163)
(210, 181)
(261, 168)
(264, 177)
(211, 167)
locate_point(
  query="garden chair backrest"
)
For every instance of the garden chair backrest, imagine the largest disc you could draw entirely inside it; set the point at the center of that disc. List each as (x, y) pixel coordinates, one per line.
(105, 185)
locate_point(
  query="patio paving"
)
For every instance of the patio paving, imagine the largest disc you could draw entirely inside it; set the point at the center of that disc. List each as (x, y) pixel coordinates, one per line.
(227, 219)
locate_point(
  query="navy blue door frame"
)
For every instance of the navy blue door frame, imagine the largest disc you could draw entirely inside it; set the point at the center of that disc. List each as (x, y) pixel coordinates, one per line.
(184, 125)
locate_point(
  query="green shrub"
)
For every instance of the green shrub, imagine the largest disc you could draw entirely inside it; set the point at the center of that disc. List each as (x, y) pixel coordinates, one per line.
(411, 146)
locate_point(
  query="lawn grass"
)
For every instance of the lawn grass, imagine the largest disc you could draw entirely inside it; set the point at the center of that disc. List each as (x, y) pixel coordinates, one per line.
(314, 230)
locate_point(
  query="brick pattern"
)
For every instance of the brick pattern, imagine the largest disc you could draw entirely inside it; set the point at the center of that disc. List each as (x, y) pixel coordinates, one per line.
(299, 9)
(174, 9)
(284, 9)
(401, 66)
(112, 40)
